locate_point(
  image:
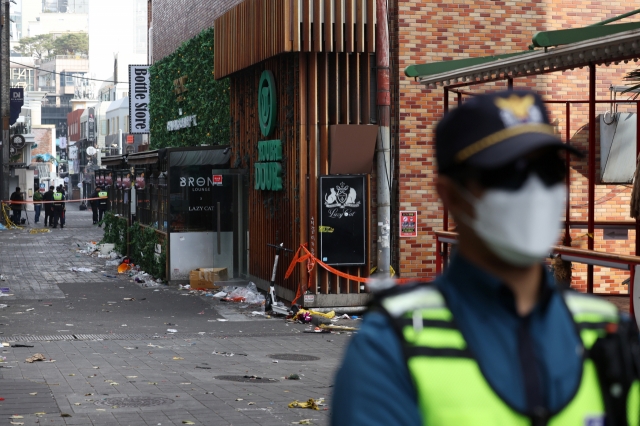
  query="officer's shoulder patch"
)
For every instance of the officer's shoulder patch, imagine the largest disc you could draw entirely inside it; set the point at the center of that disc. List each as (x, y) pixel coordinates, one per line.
(426, 296)
(581, 303)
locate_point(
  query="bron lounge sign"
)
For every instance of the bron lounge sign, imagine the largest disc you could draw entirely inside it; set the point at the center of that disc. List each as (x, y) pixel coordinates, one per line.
(139, 117)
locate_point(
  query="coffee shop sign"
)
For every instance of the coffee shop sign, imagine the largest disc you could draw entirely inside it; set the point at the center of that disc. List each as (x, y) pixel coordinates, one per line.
(182, 123)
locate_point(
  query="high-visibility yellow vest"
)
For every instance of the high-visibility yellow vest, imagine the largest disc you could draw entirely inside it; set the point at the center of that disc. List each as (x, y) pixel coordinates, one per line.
(452, 390)
(102, 194)
(57, 196)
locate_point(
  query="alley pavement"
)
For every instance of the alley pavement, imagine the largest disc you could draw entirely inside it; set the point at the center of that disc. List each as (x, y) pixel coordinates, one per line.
(110, 359)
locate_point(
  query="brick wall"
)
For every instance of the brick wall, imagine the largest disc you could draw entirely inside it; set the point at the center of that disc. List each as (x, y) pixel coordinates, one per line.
(175, 21)
(451, 29)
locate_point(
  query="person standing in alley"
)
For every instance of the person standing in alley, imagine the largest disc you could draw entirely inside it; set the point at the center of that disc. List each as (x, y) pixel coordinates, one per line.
(37, 205)
(103, 203)
(94, 205)
(48, 207)
(58, 207)
(16, 208)
(63, 215)
(493, 340)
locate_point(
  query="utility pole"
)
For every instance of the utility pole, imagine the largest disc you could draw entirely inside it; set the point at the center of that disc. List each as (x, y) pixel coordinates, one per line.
(383, 146)
(4, 98)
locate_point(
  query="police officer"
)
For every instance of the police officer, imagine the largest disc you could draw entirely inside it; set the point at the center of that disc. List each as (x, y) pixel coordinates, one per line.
(103, 203)
(48, 207)
(58, 207)
(493, 341)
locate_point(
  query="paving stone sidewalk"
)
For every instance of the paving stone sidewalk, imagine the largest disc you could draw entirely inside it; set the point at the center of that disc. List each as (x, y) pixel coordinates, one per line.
(113, 362)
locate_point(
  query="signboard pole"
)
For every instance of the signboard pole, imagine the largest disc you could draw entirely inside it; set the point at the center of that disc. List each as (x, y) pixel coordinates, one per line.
(4, 100)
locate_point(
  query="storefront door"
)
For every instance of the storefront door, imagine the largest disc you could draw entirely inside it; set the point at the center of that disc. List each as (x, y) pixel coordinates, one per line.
(230, 196)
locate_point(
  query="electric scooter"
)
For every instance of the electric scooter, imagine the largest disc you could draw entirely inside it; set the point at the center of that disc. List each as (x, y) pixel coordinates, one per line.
(271, 303)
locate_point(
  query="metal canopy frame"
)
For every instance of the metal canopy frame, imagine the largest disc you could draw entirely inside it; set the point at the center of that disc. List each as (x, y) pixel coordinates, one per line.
(616, 48)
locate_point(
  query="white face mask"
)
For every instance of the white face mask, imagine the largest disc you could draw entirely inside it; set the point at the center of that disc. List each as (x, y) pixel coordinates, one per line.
(518, 226)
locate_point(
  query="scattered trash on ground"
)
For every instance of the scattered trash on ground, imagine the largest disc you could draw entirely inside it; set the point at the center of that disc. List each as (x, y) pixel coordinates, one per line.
(303, 422)
(226, 353)
(36, 357)
(172, 330)
(248, 294)
(293, 377)
(80, 269)
(21, 345)
(312, 404)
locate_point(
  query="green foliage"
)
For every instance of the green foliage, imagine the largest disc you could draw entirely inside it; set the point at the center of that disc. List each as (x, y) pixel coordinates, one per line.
(39, 46)
(143, 246)
(45, 45)
(115, 232)
(205, 97)
(72, 44)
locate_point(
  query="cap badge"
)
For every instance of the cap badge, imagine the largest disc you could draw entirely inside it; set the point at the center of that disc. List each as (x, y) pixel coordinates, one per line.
(516, 110)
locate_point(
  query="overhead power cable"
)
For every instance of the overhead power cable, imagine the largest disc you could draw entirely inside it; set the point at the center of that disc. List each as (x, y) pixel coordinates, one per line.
(64, 73)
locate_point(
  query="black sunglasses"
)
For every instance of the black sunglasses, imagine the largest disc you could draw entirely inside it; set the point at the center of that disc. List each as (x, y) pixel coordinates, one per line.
(549, 167)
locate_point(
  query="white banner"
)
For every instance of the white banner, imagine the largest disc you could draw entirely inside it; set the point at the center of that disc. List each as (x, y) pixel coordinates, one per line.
(139, 122)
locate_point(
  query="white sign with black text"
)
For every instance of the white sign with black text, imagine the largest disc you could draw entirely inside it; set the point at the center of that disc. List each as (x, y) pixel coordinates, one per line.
(139, 117)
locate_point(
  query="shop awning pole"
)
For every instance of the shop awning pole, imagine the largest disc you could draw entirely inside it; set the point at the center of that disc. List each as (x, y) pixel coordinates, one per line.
(383, 149)
(633, 267)
(592, 170)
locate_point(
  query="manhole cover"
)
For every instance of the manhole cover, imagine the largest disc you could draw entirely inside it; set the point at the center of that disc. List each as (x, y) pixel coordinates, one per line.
(134, 401)
(247, 379)
(294, 357)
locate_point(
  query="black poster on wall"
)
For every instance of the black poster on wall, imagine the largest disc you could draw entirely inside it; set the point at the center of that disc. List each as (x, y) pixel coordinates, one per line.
(342, 223)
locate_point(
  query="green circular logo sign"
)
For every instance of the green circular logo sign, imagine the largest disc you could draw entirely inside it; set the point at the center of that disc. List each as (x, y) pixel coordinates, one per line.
(267, 103)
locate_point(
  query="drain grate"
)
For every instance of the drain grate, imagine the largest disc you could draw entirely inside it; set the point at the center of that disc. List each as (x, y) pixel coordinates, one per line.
(294, 357)
(247, 379)
(133, 401)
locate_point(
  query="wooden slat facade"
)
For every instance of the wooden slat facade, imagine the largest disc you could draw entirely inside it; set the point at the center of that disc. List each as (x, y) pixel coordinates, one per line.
(323, 78)
(256, 30)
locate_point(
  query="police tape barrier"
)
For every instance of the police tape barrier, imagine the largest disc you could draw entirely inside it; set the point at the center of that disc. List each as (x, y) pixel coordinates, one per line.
(50, 202)
(7, 220)
(311, 262)
(39, 231)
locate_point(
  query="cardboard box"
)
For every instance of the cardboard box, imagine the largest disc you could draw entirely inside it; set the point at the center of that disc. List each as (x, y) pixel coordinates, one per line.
(206, 277)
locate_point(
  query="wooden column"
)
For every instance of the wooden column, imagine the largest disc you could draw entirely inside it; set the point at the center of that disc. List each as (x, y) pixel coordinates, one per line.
(312, 120)
(304, 167)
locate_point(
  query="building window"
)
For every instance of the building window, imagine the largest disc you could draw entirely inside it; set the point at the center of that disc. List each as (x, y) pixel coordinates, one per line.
(126, 124)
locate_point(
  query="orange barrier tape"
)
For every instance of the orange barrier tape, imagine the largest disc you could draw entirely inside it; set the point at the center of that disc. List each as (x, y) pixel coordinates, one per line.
(312, 260)
(48, 202)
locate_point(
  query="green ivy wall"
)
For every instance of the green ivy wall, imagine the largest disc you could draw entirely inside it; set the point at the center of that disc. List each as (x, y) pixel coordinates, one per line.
(206, 98)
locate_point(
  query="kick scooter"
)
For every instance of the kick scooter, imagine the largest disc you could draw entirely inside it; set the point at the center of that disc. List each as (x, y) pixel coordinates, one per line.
(271, 302)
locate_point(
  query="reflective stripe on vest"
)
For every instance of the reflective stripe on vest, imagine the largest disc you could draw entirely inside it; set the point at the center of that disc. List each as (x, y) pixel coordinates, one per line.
(452, 390)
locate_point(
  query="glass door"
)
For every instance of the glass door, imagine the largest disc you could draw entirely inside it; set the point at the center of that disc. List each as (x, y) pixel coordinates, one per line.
(229, 197)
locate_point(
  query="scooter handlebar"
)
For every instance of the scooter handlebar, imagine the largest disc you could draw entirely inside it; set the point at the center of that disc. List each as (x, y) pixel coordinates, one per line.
(279, 247)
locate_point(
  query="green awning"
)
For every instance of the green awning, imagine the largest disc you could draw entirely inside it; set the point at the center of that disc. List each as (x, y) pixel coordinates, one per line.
(607, 49)
(575, 35)
(544, 39)
(446, 66)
